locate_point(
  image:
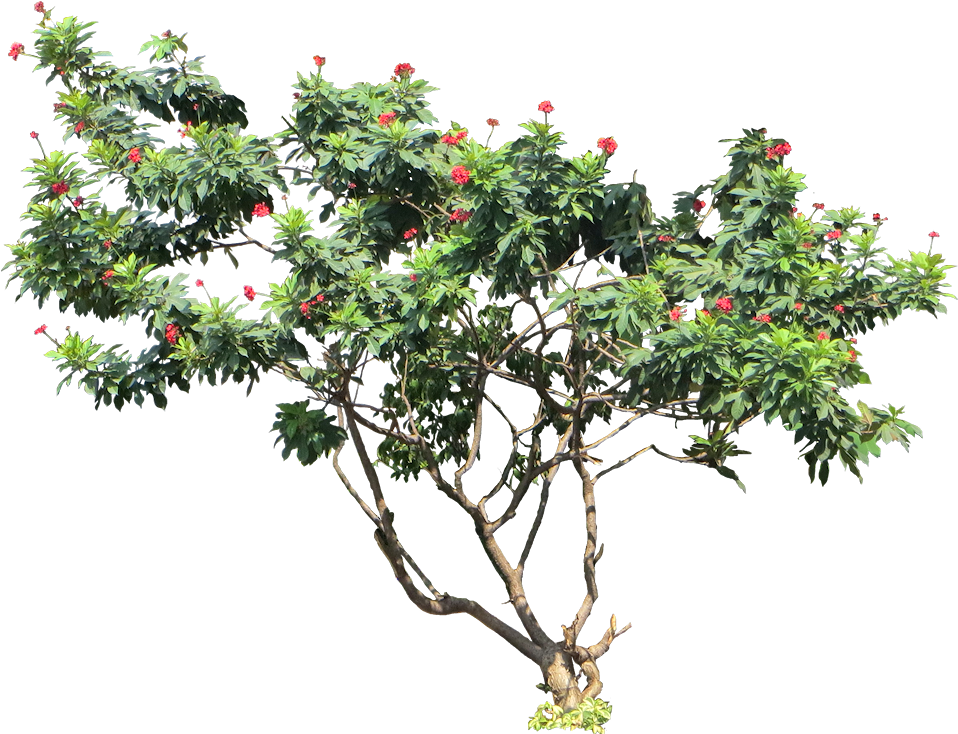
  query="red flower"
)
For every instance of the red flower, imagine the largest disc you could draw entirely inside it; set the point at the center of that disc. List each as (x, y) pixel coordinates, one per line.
(261, 210)
(78, 202)
(546, 106)
(320, 60)
(724, 304)
(853, 340)
(706, 312)
(412, 277)
(818, 206)
(933, 234)
(172, 333)
(350, 185)
(779, 150)
(196, 106)
(492, 122)
(249, 292)
(38, 7)
(608, 145)
(108, 244)
(676, 313)
(808, 245)
(59, 106)
(184, 131)
(296, 95)
(822, 336)
(666, 238)
(878, 218)
(40, 330)
(319, 299)
(403, 71)
(454, 139)
(698, 205)
(460, 175)
(60, 188)
(852, 355)
(386, 119)
(34, 135)
(199, 283)
(765, 318)
(15, 50)
(840, 308)
(135, 155)
(458, 215)
(79, 127)
(107, 275)
(410, 233)
(304, 308)
(833, 235)
(799, 306)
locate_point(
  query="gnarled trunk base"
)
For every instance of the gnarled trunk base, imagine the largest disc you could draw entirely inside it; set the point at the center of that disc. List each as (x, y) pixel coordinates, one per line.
(558, 671)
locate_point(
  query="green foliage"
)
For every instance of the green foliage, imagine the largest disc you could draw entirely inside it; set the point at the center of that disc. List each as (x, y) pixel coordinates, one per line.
(589, 715)
(785, 294)
(309, 432)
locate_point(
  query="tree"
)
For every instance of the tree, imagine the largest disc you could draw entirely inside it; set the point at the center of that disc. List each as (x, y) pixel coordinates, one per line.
(592, 306)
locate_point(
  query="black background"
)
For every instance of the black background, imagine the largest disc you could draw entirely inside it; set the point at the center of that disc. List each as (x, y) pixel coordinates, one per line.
(168, 564)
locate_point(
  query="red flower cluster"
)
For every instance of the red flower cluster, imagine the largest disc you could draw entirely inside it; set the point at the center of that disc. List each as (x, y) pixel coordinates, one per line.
(818, 206)
(723, 304)
(39, 7)
(706, 312)
(546, 106)
(172, 333)
(350, 185)
(261, 210)
(852, 355)
(410, 233)
(458, 215)
(78, 202)
(249, 292)
(799, 306)
(454, 139)
(779, 150)
(59, 106)
(698, 205)
(40, 330)
(79, 127)
(305, 305)
(403, 71)
(822, 336)
(135, 155)
(665, 238)
(184, 131)
(320, 60)
(386, 119)
(933, 234)
(879, 218)
(107, 275)
(60, 188)
(492, 122)
(833, 235)
(460, 175)
(676, 313)
(34, 135)
(199, 283)
(15, 50)
(765, 318)
(808, 245)
(840, 308)
(412, 277)
(608, 145)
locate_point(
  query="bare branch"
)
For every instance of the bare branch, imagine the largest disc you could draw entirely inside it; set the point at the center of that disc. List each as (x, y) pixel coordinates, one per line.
(619, 465)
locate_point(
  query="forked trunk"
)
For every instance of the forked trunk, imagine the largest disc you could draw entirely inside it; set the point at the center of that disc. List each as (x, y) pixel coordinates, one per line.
(558, 670)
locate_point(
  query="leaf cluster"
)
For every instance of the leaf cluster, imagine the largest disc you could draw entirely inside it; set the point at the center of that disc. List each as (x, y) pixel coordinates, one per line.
(759, 319)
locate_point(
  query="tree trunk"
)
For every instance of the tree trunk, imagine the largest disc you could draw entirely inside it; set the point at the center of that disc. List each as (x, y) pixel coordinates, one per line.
(558, 672)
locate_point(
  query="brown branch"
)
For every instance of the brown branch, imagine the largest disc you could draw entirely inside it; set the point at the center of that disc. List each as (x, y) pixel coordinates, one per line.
(476, 433)
(619, 465)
